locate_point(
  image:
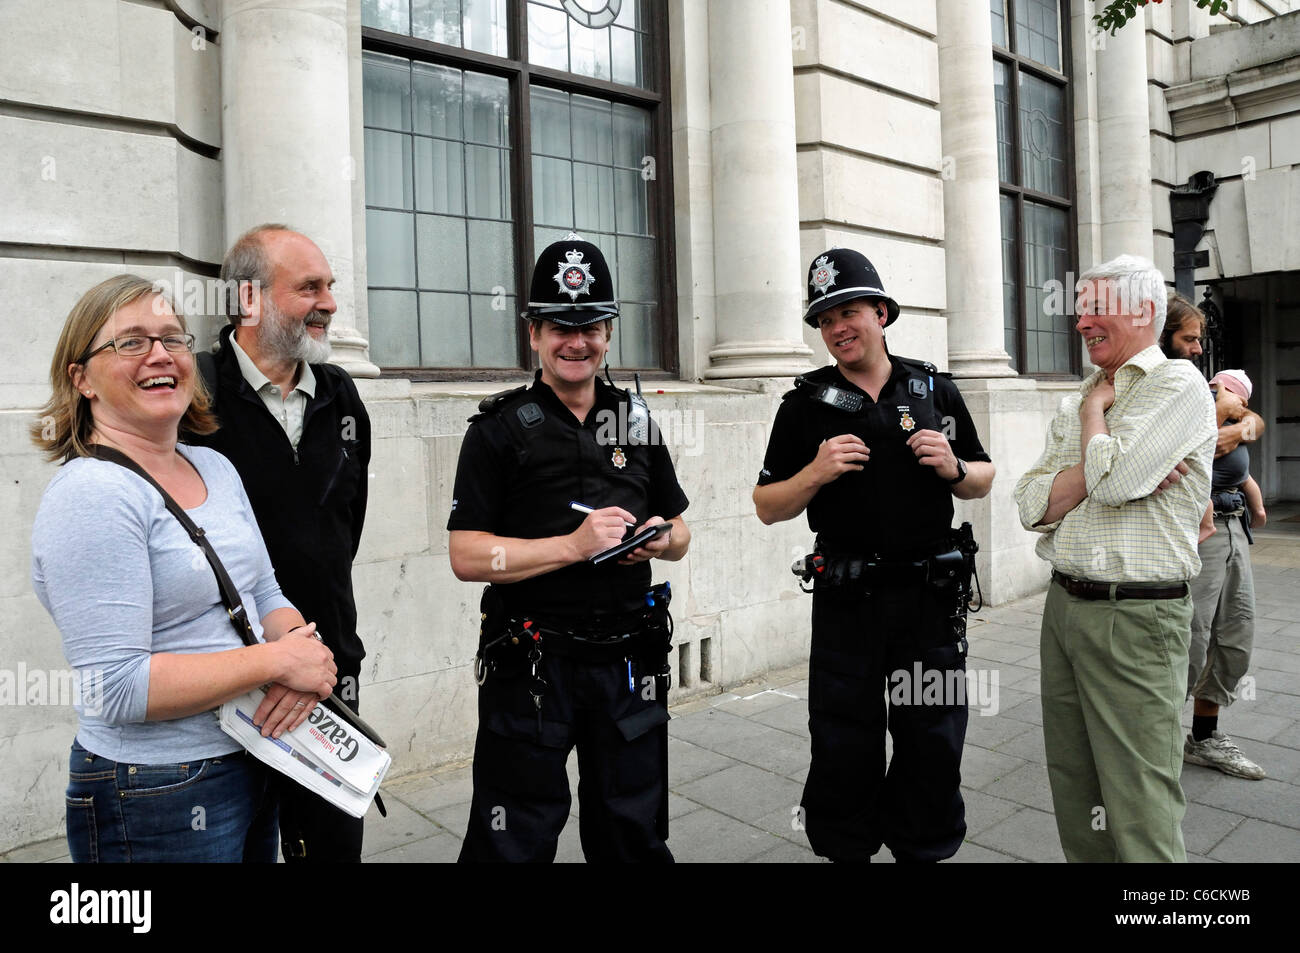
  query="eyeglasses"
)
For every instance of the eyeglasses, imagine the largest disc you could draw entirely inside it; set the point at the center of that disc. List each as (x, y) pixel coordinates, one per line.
(138, 345)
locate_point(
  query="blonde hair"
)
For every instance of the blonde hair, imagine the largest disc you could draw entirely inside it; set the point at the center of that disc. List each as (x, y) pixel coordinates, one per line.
(63, 430)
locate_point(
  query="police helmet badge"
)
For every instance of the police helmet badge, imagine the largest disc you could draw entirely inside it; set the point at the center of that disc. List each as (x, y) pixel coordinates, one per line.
(618, 458)
(905, 420)
(574, 275)
(824, 274)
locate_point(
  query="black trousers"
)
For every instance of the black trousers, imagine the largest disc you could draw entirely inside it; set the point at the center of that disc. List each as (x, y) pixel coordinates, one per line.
(864, 678)
(616, 714)
(312, 829)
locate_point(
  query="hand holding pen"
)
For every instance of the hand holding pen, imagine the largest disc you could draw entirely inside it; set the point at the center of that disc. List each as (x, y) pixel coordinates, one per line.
(601, 530)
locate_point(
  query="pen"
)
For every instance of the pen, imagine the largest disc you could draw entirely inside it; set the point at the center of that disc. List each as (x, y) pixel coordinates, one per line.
(583, 508)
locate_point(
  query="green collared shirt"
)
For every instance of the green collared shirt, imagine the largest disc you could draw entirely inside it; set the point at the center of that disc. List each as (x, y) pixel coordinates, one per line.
(287, 409)
(1162, 415)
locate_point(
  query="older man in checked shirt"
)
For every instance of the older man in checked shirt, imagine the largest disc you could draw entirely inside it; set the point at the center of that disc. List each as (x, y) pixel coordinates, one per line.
(1118, 495)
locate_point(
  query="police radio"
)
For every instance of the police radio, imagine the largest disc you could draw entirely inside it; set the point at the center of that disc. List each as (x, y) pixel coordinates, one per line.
(836, 397)
(638, 416)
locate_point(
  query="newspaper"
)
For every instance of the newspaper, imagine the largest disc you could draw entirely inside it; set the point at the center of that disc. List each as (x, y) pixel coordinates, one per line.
(325, 754)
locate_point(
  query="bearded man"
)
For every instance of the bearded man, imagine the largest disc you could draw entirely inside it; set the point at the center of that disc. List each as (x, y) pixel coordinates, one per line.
(296, 429)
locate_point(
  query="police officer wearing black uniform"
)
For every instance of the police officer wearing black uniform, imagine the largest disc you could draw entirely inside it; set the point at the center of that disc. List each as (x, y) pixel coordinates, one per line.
(875, 447)
(572, 651)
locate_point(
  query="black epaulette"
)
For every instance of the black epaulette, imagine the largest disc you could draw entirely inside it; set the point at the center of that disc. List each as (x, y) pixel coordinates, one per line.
(919, 365)
(494, 402)
(920, 389)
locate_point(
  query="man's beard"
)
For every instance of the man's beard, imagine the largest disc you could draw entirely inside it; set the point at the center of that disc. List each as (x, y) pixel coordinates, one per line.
(287, 339)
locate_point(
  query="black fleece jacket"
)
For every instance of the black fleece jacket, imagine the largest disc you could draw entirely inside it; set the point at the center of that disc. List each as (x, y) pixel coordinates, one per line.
(310, 503)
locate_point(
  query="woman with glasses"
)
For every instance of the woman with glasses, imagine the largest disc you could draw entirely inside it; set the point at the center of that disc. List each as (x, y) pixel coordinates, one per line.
(152, 775)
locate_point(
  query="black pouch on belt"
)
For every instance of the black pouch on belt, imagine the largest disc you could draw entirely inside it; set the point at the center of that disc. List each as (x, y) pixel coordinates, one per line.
(503, 642)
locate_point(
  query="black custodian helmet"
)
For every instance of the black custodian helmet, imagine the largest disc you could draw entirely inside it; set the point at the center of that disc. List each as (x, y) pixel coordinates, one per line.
(842, 275)
(571, 285)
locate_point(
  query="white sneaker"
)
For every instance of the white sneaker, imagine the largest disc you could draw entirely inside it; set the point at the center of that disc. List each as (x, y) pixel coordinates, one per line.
(1219, 751)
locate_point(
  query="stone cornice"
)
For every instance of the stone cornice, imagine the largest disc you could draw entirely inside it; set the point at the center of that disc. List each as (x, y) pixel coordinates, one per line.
(1223, 102)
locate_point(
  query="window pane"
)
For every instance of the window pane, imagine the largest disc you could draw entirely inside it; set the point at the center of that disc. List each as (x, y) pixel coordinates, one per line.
(1042, 135)
(388, 169)
(444, 331)
(491, 257)
(391, 15)
(437, 255)
(625, 64)
(494, 329)
(487, 182)
(442, 252)
(635, 343)
(1038, 33)
(608, 246)
(593, 193)
(631, 15)
(548, 37)
(998, 10)
(550, 112)
(386, 91)
(437, 100)
(436, 20)
(439, 176)
(485, 26)
(637, 269)
(487, 104)
(1046, 261)
(593, 131)
(552, 191)
(1002, 106)
(1009, 280)
(589, 51)
(390, 249)
(548, 236)
(394, 334)
(631, 135)
(631, 202)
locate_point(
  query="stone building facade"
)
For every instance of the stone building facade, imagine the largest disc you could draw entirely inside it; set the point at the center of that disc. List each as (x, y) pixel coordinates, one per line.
(975, 151)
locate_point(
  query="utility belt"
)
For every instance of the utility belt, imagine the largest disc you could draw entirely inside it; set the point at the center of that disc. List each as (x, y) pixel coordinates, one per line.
(947, 566)
(947, 572)
(511, 642)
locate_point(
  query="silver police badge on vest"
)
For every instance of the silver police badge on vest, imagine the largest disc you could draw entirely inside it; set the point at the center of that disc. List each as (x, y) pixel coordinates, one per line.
(905, 419)
(618, 458)
(824, 275)
(574, 276)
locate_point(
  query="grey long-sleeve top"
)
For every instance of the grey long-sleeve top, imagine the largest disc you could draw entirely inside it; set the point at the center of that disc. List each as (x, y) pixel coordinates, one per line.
(123, 581)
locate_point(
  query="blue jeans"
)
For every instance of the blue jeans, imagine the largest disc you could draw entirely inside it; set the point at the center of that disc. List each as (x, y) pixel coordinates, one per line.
(214, 810)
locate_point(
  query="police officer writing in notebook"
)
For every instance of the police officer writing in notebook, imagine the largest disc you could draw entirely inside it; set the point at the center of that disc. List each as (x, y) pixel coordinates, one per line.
(875, 447)
(572, 651)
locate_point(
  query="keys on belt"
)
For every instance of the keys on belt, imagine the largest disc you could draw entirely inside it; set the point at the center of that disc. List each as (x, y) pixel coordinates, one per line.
(1087, 589)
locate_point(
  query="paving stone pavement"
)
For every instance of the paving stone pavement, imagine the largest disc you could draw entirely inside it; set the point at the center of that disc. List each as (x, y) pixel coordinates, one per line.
(737, 760)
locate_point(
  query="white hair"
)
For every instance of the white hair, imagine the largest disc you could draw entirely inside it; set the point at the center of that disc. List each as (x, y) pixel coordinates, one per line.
(1136, 280)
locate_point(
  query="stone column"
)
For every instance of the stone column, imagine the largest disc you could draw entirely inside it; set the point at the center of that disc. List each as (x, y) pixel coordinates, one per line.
(1124, 144)
(286, 138)
(972, 219)
(757, 272)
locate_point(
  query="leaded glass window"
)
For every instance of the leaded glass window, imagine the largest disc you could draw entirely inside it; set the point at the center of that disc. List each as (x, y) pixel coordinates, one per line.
(474, 162)
(1035, 169)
